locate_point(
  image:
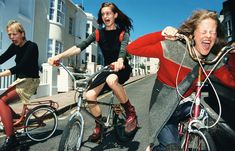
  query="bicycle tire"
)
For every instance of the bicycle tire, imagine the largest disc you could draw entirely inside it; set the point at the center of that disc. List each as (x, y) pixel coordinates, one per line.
(197, 141)
(71, 135)
(41, 123)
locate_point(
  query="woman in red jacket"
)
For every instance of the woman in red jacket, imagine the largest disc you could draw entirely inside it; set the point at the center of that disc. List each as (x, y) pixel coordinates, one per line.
(204, 30)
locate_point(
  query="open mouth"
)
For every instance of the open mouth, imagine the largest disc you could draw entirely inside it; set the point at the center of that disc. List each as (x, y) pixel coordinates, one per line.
(206, 45)
(107, 21)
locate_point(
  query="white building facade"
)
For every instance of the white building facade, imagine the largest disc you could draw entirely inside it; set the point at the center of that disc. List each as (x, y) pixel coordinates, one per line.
(55, 25)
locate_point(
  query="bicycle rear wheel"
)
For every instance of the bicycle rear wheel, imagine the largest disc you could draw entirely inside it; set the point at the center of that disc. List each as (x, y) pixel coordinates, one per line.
(199, 141)
(71, 138)
(41, 123)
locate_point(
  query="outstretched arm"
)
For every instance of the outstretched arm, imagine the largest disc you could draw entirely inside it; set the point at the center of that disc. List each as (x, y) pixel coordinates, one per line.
(149, 45)
(69, 52)
(73, 50)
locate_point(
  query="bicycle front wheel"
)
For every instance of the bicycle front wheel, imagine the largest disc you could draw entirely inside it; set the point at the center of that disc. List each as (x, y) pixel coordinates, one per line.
(41, 123)
(71, 138)
(198, 141)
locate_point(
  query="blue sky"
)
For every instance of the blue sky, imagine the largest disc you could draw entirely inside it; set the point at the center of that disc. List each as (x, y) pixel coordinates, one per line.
(153, 15)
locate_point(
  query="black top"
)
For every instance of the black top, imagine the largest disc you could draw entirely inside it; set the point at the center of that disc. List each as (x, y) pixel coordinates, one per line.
(26, 60)
(110, 45)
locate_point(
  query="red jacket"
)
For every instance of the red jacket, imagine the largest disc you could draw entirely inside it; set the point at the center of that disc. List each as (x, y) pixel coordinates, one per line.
(153, 45)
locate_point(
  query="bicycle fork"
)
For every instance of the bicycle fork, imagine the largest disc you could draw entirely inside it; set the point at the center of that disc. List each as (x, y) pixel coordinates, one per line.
(80, 118)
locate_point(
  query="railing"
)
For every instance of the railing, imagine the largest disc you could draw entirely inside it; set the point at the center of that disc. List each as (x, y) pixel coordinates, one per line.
(6, 81)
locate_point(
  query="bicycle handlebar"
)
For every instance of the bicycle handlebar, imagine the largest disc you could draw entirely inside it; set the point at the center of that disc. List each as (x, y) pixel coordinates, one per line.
(108, 68)
(192, 53)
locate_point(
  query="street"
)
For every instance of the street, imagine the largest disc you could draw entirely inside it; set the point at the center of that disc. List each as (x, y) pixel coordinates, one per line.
(139, 94)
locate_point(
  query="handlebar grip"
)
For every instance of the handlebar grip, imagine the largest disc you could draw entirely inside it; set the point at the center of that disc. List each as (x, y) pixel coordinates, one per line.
(56, 62)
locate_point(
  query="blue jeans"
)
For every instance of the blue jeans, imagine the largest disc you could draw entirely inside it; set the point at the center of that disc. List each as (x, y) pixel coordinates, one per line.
(169, 133)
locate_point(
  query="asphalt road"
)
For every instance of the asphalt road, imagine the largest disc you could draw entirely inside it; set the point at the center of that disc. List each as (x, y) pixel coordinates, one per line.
(139, 93)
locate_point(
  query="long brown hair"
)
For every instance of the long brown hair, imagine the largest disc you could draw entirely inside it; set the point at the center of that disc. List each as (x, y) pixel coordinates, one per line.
(122, 21)
(190, 25)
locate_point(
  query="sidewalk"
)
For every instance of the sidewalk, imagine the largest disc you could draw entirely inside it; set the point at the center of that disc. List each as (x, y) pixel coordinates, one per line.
(65, 100)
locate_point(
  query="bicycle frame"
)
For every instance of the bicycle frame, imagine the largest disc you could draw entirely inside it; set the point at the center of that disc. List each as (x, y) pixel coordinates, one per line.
(195, 122)
(81, 86)
(18, 123)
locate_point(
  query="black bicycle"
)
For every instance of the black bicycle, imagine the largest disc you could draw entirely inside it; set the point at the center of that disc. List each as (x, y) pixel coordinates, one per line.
(73, 133)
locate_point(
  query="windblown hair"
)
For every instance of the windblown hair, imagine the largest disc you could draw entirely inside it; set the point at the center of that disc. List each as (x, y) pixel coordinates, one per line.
(190, 25)
(122, 21)
(17, 27)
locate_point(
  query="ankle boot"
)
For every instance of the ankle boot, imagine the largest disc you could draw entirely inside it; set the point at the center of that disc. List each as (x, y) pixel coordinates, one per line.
(131, 120)
(10, 144)
(96, 134)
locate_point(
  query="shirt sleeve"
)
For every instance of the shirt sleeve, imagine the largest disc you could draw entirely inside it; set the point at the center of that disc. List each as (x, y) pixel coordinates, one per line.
(147, 46)
(7, 54)
(124, 43)
(87, 42)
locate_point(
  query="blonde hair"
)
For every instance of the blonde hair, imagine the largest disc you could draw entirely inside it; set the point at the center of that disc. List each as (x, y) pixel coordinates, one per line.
(17, 26)
(190, 25)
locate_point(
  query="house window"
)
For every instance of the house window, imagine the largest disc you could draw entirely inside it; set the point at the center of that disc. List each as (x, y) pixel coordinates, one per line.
(87, 30)
(71, 25)
(229, 28)
(50, 48)
(60, 12)
(57, 11)
(52, 10)
(87, 57)
(58, 47)
(93, 58)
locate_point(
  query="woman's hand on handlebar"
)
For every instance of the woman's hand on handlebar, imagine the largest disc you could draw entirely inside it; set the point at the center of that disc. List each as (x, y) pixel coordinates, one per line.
(54, 61)
(118, 65)
(170, 33)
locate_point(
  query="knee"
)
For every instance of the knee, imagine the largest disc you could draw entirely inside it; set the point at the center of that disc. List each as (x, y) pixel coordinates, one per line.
(90, 95)
(112, 80)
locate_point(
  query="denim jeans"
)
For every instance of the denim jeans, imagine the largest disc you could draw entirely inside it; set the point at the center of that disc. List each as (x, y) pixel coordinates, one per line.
(169, 133)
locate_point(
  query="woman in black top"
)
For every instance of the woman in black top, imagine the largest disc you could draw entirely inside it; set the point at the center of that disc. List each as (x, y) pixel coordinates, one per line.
(27, 74)
(113, 48)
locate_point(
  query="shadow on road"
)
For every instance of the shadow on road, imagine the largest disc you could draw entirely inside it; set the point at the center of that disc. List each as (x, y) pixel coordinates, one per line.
(26, 142)
(110, 141)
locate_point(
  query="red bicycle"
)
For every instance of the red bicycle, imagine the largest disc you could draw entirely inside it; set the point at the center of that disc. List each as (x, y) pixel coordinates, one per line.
(193, 130)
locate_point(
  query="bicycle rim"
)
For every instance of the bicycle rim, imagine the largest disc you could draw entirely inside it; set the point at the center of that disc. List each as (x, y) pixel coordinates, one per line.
(71, 138)
(41, 123)
(199, 141)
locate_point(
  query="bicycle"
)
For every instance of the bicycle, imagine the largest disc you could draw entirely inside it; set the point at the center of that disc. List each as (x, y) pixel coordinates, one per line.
(72, 136)
(37, 120)
(193, 130)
